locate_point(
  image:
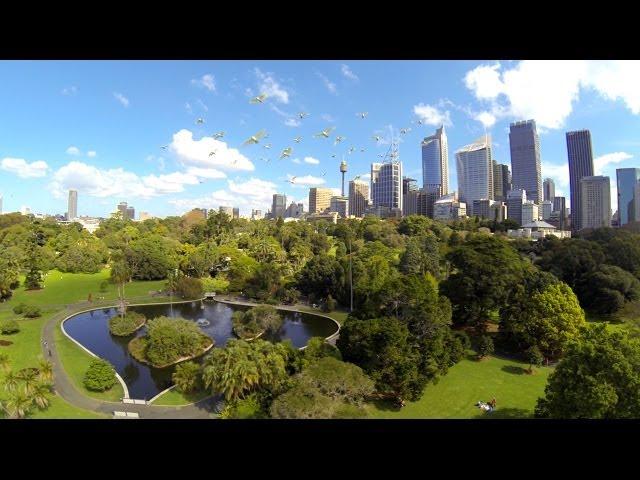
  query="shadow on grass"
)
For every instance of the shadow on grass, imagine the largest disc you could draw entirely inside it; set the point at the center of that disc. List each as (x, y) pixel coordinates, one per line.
(386, 406)
(505, 413)
(514, 369)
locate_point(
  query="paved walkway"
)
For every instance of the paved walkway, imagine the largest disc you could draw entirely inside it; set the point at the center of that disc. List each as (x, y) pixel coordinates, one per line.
(64, 388)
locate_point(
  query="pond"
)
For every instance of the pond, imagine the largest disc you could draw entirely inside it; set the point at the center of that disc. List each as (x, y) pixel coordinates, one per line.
(91, 329)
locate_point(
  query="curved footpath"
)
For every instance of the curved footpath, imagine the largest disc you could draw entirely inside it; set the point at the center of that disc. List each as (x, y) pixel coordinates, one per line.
(204, 409)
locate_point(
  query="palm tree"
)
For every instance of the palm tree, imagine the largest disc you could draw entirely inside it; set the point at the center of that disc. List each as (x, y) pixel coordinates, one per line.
(45, 369)
(231, 370)
(29, 378)
(40, 394)
(4, 362)
(17, 405)
(11, 381)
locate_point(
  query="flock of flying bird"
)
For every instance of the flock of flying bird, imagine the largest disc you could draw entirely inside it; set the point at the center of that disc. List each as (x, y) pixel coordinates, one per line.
(286, 152)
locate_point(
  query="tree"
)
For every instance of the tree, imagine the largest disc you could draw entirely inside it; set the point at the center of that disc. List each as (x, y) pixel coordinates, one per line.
(188, 287)
(381, 347)
(317, 348)
(548, 318)
(9, 274)
(597, 378)
(170, 339)
(45, 369)
(100, 376)
(485, 346)
(40, 394)
(257, 320)
(5, 362)
(608, 288)
(17, 405)
(152, 256)
(485, 270)
(303, 401)
(242, 367)
(421, 256)
(187, 377)
(321, 276)
(534, 357)
(127, 324)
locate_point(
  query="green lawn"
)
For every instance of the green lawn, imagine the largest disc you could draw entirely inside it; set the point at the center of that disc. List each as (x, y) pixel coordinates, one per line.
(61, 409)
(455, 395)
(76, 362)
(175, 398)
(337, 315)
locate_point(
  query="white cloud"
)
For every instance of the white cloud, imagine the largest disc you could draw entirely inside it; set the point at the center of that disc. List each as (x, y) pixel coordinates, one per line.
(202, 105)
(347, 72)
(296, 160)
(328, 83)
(311, 160)
(24, 169)
(69, 91)
(487, 119)
(121, 98)
(73, 150)
(207, 81)
(91, 153)
(209, 173)
(599, 163)
(431, 115)
(117, 182)
(269, 85)
(292, 122)
(306, 180)
(188, 108)
(546, 90)
(247, 195)
(196, 153)
(327, 118)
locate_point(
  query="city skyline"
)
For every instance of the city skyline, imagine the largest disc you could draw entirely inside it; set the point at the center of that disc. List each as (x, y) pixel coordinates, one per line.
(101, 127)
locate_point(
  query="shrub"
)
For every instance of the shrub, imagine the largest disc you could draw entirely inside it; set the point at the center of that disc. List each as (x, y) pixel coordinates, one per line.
(534, 357)
(104, 285)
(189, 287)
(31, 311)
(485, 346)
(126, 325)
(170, 339)
(187, 377)
(256, 320)
(100, 376)
(218, 284)
(330, 304)
(8, 327)
(19, 309)
(464, 338)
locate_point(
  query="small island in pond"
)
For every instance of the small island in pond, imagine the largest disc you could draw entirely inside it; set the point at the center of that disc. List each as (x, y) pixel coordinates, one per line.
(169, 341)
(256, 321)
(125, 325)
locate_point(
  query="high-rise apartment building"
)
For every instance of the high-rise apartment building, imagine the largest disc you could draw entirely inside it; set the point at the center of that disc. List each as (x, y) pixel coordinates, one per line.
(122, 208)
(386, 185)
(530, 212)
(595, 195)
(515, 200)
(340, 205)
(526, 172)
(580, 154)
(319, 199)
(560, 206)
(72, 206)
(549, 187)
(498, 184)
(131, 213)
(435, 163)
(628, 182)
(278, 205)
(358, 197)
(475, 171)
(546, 208)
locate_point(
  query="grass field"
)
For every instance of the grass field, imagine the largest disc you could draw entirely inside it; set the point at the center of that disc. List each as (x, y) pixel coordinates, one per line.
(455, 395)
(173, 398)
(62, 289)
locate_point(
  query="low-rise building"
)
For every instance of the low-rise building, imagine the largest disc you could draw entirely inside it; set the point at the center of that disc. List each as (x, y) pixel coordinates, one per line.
(536, 230)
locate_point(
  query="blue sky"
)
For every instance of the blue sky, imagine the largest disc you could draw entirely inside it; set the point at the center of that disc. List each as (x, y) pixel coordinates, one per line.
(98, 126)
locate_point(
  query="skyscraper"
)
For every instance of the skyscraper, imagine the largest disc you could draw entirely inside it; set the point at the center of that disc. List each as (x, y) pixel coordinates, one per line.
(498, 184)
(435, 163)
(595, 196)
(279, 205)
(319, 199)
(549, 187)
(628, 181)
(475, 171)
(525, 159)
(358, 197)
(122, 208)
(226, 210)
(386, 185)
(340, 205)
(580, 156)
(409, 196)
(131, 213)
(72, 208)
